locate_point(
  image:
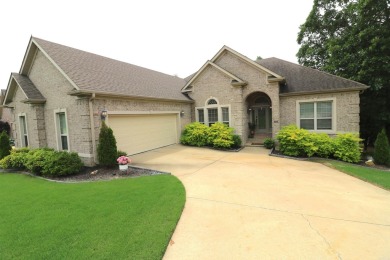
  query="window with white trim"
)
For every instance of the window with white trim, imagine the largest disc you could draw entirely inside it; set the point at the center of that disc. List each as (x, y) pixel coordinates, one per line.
(316, 115)
(62, 131)
(23, 130)
(200, 115)
(212, 112)
(225, 115)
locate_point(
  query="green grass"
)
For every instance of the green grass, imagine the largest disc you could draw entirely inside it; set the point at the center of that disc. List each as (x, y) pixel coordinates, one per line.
(377, 177)
(119, 219)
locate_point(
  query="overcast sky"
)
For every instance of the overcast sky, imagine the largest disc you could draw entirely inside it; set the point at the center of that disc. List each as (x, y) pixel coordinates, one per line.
(171, 36)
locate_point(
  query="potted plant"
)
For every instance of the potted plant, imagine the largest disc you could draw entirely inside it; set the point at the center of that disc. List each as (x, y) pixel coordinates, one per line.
(123, 162)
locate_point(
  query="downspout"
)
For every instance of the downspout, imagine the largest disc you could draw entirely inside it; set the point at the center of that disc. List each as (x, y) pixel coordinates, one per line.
(92, 122)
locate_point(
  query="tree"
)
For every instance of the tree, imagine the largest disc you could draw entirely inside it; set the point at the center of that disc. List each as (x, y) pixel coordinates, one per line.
(107, 150)
(5, 147)
(351, 39)
(382, 149)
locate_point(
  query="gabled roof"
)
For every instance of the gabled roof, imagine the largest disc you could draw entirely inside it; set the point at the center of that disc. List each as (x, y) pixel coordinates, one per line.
(301, 79)
(91, 73)
(235, 80)
(33, 95)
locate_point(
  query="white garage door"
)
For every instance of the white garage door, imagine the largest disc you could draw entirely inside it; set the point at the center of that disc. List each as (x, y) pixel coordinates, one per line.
(140, 133)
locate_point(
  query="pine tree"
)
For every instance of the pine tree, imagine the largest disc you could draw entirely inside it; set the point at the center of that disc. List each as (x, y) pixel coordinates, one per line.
(107, 150)
(5, 147)
(382, 149)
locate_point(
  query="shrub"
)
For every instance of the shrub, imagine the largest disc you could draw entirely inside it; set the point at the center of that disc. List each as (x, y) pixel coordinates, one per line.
(36, 159)
(4, 126)
(295, 142)
(16, 159)
(61, 163)
(220, 136)
(5, 147)
(237, 141)
(107, 150)
(382, 148)
(346, 148)
(43, 161)
(120, 153)
(194, 134)
(269, 143)
(324, 145)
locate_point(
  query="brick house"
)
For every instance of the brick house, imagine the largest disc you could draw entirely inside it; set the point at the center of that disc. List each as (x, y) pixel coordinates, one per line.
(61, 94)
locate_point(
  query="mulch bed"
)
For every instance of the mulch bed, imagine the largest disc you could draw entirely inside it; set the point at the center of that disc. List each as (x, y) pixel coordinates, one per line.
(98, 174)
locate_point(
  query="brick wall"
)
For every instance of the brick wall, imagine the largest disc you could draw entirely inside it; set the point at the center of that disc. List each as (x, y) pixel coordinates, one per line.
(213, 83)
(347, 109)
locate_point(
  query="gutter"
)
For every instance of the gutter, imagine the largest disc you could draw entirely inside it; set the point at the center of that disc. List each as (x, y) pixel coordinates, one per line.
(322, 91)
(121, 96)
(92, 122)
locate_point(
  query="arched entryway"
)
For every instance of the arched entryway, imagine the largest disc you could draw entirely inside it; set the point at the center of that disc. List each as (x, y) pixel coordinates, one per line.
(259, 107)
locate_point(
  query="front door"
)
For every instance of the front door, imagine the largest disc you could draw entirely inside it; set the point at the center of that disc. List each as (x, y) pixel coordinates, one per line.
(262, 119)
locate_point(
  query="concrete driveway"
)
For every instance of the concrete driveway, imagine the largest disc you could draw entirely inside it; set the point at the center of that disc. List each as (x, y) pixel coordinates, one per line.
(249, 205)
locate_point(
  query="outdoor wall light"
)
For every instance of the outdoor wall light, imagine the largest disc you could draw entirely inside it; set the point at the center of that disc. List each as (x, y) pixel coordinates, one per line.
(249, 110)
(181, 113)
(103, 115)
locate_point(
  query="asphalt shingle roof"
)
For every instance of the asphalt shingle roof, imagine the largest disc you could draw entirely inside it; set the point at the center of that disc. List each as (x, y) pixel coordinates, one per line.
(304, 79)
(91, 72)
(28, 87)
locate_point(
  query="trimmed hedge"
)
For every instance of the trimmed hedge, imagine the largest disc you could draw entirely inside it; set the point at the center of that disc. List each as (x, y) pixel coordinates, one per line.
(300, 142)
(218, 135)
(43, 161)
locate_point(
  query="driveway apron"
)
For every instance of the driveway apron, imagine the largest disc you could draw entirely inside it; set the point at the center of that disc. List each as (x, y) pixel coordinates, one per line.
(249, 205)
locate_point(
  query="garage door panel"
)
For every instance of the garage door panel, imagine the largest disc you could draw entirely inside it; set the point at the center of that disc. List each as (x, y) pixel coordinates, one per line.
(139, 133)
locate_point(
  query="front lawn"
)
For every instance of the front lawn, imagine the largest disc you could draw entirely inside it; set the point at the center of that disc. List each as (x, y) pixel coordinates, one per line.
(377, 177)
(130, 218)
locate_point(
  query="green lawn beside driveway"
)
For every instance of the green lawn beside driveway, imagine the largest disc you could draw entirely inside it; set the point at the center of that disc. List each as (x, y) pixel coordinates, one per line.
(130, 218)
(377, 177)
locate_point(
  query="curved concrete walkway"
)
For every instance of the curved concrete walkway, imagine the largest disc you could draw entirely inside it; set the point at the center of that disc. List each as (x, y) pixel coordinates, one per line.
(249, 205)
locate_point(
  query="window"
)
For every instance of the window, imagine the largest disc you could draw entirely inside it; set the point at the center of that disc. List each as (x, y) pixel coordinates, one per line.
(212, 115)
(201, 116)
(212, 112)
(23, 130)
(62, 131)
(212, 102)
(225, 115)
(316, 115)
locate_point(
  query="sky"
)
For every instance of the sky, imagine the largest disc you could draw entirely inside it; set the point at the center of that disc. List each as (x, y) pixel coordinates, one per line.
(171, 36)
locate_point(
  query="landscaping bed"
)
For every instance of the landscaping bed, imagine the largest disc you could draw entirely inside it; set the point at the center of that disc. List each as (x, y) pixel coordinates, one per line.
(97, 174)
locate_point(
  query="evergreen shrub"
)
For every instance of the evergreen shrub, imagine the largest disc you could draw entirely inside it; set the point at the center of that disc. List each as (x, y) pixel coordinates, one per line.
(107, 151)
(382, 149)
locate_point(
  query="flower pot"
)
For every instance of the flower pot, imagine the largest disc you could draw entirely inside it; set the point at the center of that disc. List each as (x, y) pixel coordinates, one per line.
(123, 167)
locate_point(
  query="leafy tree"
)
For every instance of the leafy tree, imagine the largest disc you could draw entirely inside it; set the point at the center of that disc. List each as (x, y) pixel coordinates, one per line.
(351, 39)
(106, 150)
(5, 147)
(382, 149)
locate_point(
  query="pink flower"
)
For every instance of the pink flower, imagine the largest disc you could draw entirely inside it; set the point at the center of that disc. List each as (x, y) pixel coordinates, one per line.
(123, 160)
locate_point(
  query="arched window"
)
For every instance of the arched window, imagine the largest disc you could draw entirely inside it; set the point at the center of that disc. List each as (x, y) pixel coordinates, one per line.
(212, 102)
(263, 100)
(212, 112)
